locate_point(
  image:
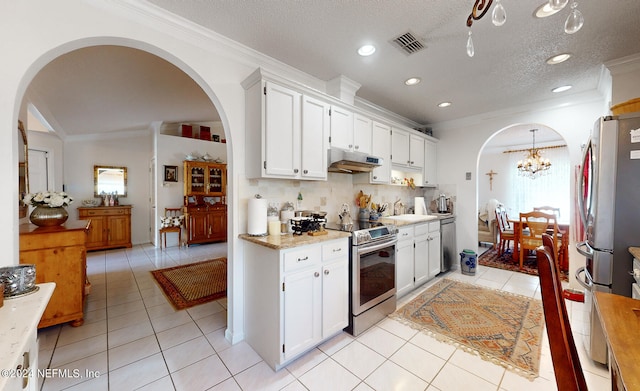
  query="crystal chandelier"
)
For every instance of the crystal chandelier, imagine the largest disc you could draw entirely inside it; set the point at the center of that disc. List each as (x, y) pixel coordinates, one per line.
(574, 21)
(534, 165)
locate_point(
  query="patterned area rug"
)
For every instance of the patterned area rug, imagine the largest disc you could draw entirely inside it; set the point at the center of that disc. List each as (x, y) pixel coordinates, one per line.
(505, 261)
(195, 283)
(499, 326)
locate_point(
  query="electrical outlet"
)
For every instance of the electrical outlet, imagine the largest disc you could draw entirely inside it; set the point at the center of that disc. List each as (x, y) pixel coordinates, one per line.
(468, 176)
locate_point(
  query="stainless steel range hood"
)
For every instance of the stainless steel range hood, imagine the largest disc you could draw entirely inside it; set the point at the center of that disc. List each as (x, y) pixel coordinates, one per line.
(349, 162)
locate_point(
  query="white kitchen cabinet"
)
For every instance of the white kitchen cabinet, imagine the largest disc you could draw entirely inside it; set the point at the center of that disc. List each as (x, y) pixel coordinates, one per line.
(407, 149)
(417, 255)
(430, 163)
(381, 147)
(342, 128)
(362, 133)
(286, 131)
(435, 241)
(295, 298)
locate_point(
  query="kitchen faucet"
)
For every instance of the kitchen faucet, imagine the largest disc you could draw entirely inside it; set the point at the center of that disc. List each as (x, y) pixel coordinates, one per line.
(398, 207)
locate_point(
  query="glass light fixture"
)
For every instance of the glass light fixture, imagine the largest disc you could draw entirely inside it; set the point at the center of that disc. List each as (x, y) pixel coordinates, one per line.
(534, 165)
(444, 104)
(561, 88)
(557, 4)
(558, 58)
(470, 49)
(499, 15)
(366, 50)
(575, 20)
(412, 81)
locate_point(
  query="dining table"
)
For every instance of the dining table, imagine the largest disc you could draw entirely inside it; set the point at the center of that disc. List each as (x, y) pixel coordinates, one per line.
(563, 227)
(620, 320)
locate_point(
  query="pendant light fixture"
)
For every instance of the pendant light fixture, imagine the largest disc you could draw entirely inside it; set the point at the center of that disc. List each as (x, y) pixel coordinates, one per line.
(534, 165)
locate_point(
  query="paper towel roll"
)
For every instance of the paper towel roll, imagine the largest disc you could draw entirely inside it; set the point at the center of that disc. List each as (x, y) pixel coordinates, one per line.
(257, 217)
(420, 208)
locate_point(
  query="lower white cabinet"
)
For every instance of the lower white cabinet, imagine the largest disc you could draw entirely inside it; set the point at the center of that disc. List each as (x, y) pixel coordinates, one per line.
(418, 255)
(295, 298)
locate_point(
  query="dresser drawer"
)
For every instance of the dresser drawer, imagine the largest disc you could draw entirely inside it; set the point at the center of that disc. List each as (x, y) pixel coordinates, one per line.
(115, 211)
(299, 259)
(335, 250)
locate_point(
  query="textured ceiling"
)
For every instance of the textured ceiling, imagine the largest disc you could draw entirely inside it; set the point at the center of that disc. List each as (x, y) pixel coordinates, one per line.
(106, 88)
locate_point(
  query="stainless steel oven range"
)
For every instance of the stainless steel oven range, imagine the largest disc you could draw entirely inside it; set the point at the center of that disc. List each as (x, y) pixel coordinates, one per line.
(372, 274)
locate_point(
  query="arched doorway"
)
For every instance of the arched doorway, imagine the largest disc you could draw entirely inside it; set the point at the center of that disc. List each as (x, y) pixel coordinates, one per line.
(499, 179)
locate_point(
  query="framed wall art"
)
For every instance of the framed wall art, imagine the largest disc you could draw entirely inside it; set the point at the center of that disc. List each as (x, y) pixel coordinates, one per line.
(171, 173)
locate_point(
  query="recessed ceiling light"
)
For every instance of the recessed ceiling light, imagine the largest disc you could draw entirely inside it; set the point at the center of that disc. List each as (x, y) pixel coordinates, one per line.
(561, 88)
(545, 10)
(412, 81)
(366, 50)
(557, 59)
(444, 104)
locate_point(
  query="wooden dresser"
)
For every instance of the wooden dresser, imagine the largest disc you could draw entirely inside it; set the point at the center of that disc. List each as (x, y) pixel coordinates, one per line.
(60, 256)
(110, 226)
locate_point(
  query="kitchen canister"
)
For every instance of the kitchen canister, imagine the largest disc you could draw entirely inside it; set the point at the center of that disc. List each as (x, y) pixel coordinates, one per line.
(257, 216)
(468, 261)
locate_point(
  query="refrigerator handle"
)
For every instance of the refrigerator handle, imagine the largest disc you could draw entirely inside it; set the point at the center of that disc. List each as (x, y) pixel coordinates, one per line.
(580, 187)
(587, 253)
(587, 285)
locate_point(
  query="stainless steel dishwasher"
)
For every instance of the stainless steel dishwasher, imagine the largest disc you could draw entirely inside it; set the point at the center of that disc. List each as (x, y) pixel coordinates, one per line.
(448, 248)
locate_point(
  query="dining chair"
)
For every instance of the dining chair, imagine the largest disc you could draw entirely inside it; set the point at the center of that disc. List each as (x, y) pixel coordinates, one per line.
(505, 229)
(548, 209)
(564, 355)
(536, 224)
(172, 221)
(562, 235)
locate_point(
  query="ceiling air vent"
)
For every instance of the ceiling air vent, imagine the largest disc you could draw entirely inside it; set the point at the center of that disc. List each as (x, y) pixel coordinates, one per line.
(408, 43)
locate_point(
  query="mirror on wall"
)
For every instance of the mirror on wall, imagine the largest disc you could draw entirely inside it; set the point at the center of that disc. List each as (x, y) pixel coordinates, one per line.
(23, 172)
(109, 179)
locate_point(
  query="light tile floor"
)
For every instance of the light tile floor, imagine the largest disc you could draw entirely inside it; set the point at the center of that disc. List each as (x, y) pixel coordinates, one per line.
(134, 339)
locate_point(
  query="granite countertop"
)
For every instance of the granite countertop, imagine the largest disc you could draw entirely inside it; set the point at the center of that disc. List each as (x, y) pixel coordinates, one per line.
(20, 317)
(281, 242)
(408, 219)
(635, 251)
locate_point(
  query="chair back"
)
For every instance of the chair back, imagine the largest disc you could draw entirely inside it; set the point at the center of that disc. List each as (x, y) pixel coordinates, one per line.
(548, 209)
(502, 219)
(566, 362)
(537, 223)
(172, 218)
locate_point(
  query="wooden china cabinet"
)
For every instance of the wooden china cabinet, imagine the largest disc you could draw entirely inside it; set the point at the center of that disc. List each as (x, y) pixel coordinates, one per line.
(205, 207)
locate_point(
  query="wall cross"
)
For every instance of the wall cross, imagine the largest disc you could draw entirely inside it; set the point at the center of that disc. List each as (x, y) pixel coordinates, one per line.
(491, 174)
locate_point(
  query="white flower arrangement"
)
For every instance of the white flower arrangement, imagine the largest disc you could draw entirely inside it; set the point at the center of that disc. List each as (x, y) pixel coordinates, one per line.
(50, 199)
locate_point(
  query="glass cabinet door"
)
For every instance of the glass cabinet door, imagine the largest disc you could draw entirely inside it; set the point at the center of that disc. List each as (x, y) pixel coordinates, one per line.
(197, 180)
(215, 180)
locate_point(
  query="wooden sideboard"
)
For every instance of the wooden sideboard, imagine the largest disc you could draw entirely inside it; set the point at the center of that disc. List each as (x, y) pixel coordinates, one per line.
(60, 256)
(110, 226)
(206, 223)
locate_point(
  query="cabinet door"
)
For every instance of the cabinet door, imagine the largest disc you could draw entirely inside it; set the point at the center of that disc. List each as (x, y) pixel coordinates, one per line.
(282, 132)
(335, 296)
(421, 259)
(400, 147)
(315, 132)
(97, 235)
(404, 267)
(302, 299)
(430, 163)
(195, 178)
(381, 147)
(341, 128)
(218, 225)
(416, 151)
(216, 182)
(434, 253)
(362, 128)
(119, 229)
(198, 226)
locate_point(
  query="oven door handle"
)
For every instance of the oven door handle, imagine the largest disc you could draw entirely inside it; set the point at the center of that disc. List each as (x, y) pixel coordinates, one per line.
(376, 247)
(587, 285)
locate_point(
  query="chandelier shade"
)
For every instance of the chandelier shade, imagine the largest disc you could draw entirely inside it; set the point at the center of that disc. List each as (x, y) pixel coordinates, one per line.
(534, 165)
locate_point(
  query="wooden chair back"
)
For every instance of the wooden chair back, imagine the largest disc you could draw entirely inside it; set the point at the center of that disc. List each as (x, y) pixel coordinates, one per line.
(536, 224)
(548, 209)
(172, 221)
(504, 228)
(566, 362)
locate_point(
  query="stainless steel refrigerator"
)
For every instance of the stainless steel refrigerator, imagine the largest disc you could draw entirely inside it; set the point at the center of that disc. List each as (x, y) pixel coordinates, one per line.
(609, 204)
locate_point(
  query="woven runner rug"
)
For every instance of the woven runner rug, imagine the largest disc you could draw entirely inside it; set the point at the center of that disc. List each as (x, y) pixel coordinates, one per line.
(505, 261)
(195, 283)
(501, 327)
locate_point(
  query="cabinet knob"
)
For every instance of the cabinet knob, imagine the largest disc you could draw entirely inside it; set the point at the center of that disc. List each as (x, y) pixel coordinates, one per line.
(305, 171)
(295, 170)
(303, 259)
(350, 145)
(412, 162)
(326, 272)
(316, 274)
(375, 177)
(357, 147)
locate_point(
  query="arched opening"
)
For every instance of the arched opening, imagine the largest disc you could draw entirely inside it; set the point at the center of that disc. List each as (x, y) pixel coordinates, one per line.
(500, 181)
(132, 138)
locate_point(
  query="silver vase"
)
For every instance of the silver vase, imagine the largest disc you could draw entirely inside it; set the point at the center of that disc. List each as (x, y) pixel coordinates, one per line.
(44, 216)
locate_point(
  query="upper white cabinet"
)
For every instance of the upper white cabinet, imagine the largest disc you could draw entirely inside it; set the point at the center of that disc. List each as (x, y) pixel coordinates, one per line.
(291, 129)
(342, 128)
(381, 147)
(407, 149)
(430, 163)
(362, 136)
